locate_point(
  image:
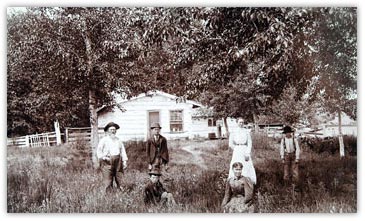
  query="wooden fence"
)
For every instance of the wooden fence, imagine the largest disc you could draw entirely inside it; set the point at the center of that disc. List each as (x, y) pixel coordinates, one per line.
(50, 139)
(78, 134)
(34, 140)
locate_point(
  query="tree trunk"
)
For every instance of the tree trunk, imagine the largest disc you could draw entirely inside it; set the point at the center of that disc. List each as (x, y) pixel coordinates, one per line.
(94, 139)
(340, 137)
(226, 126)
(94, 127)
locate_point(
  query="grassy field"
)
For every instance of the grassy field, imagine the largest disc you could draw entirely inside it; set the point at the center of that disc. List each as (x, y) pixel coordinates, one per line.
(62, 180)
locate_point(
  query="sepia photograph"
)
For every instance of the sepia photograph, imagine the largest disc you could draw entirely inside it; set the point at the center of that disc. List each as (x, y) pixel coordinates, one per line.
(149, 109)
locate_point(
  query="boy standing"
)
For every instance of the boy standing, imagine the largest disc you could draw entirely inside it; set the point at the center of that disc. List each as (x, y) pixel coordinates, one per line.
(289, 154)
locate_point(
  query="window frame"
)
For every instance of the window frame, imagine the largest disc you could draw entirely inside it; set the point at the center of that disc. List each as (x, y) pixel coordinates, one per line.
(213, 122)
(176, 122)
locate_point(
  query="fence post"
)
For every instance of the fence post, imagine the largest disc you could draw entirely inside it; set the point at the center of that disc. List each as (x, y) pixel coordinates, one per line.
(47, 137)
(66, 135)
(31, 139)
(58, 132)
(27, 141)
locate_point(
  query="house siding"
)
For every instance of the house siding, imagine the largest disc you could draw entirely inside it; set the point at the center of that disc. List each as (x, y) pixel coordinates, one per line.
(332, 130)
(134, 120)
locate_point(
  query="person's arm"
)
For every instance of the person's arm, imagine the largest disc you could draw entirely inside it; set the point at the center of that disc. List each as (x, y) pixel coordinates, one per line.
(248, 191)
(297, 150)
(161, 188)
(99, 150)
(166, 150)
(227, 194)
(282, 148)
(231, 140)
(148, 148)
(148, 195)
(123, 155)
(249, 145)
(249, 141)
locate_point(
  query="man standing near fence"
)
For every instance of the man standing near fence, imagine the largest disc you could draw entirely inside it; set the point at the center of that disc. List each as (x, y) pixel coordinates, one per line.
(289, 154)
(112, 156)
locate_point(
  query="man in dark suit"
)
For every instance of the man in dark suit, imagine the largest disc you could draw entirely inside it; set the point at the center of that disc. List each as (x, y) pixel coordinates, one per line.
(157, 152)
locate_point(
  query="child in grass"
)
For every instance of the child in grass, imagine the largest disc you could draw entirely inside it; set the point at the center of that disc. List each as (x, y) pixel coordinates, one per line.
(155, 193)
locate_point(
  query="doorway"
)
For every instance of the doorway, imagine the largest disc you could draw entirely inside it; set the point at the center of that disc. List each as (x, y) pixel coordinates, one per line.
(153, 116)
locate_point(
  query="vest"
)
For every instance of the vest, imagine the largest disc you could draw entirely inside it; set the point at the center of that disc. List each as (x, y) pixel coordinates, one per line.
(295, 146)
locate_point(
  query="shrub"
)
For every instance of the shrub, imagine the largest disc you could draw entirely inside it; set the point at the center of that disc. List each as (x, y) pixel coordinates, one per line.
(331, 145)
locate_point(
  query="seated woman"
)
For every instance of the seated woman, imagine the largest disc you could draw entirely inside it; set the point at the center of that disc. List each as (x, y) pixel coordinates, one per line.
(239, 192)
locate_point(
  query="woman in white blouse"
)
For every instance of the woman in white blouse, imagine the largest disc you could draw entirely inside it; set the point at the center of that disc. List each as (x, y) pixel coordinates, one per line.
(241, 143)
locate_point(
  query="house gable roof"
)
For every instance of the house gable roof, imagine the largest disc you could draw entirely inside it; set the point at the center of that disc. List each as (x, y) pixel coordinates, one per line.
(120, 100)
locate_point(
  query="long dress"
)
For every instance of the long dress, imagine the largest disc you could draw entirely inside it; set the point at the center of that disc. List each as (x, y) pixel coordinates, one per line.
(241, 143)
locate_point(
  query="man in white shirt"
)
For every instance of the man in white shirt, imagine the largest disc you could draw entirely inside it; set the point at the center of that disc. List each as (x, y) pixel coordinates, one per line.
(112, 156)
(289, 154)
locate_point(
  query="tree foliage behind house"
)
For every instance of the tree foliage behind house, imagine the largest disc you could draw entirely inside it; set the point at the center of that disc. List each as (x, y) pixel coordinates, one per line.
(63, 63)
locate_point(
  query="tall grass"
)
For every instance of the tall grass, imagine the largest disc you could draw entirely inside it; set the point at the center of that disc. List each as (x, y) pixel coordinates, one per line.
(61, 180)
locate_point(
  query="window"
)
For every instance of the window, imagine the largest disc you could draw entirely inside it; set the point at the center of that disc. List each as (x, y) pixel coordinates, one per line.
(212, 122)
(176, 121)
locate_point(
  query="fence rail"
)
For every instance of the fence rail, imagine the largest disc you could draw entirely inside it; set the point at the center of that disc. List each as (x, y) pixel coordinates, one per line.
(34, 140)
(17, 141)
(81, 134)
(71, 134)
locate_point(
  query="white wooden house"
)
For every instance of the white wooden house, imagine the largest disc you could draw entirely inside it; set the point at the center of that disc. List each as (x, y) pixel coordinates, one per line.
(348, 126)
(177, 118)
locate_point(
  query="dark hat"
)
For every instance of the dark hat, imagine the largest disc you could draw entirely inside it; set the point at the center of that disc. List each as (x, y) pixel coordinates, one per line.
(155, 125)
(287, 129)
(155, 172)
(237, 164)
(111, 124)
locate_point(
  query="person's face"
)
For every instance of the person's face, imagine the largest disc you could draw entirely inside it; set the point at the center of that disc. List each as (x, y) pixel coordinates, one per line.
(155, 178)
(112, 130)
(241, 123)
(156, 131)
(288, 135)
(237, 171)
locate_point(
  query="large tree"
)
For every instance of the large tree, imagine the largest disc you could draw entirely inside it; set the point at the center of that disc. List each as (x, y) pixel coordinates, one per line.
(242, 59)
(336, 61)
(239, 54)
(72, 58)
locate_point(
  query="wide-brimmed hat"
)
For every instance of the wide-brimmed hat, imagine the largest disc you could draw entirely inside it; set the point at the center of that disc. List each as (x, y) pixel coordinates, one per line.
(287, 129)
(111, 124)
(155, 172)
(155, 125)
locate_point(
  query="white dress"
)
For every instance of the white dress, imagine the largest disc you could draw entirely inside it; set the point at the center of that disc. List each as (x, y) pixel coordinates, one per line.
(241, 143)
